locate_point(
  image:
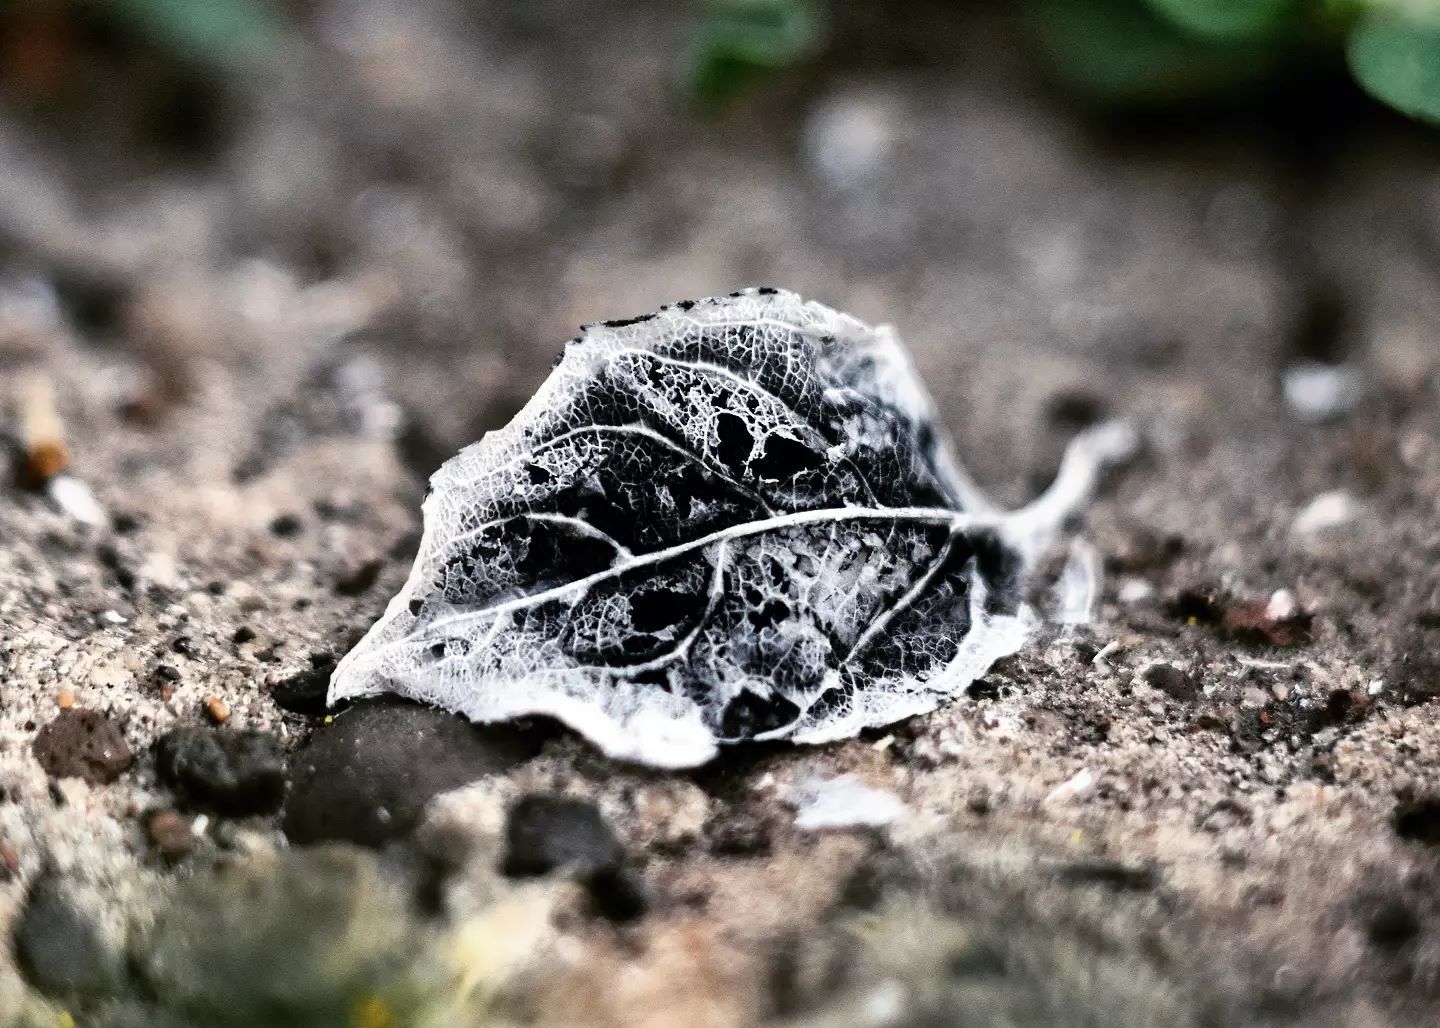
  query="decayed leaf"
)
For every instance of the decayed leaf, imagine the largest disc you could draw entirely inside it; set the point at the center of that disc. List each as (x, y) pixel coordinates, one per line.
(731, 519)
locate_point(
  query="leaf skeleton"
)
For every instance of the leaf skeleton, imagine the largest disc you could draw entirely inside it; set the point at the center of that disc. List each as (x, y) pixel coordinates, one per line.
(735, 518)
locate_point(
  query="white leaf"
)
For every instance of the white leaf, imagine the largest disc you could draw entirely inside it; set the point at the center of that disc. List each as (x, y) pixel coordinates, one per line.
(732, 519)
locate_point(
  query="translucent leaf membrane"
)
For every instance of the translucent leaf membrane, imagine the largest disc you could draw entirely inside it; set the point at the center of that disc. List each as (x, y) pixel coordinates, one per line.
(731, 519)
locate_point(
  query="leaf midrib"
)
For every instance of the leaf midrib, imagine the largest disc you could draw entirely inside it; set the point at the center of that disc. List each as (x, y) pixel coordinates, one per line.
(956, 521)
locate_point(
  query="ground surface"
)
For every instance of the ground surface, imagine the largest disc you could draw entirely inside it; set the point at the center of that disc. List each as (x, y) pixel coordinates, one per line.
(265, 334)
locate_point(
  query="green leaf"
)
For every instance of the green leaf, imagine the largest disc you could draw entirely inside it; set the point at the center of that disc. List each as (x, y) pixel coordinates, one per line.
(738, 41)
(1228, 19)
(207, 30)
(1122, 51)
(1397, 61)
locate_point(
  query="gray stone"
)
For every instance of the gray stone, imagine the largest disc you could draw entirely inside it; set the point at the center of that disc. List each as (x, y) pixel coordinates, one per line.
(62, 951)
(367, 777)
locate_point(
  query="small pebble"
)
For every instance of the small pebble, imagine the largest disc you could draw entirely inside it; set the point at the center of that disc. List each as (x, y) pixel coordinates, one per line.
(233, 772)
(305, 692)
(1110, 873)
(59, 947)
(171, 834)
(366, 776)
(41, 430)
(1102, 658)
(546, 833)
(359, 581)
(218, 710)
(286, 526)
(1282, 605)
(551, 833)
(1135, 590)
(82, 744)
(1278, 621)
(1326, 512)
(1321, 392)
(74, 498)
(1170, 680)
(848, 139)
(9, 860)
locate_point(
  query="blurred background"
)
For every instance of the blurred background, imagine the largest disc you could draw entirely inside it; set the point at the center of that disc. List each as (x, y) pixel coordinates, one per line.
(425, 199)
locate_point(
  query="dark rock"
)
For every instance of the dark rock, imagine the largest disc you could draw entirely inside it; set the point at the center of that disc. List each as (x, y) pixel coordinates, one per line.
(234, 773)
(359, 581)
(243, 634)
(304, 693)
(1171, 680)
(1254, 624)
(1210, 721)
(1251, 622)
(1196, 606)
(367, 776)
(115, 563)
(1344, 706)
(618, 894)
(1416, 668)
(547, 833)
(1418, 820)
(983, 689)
(83, 744)
(286, 526)
(1074, 409)
(740, 835)
(554, 833)
(876, 877)
(282, 940)
(1147, 550)
(1110, 873)
(60, 950)
(403, 550)
(1392, 924)
(980, 960)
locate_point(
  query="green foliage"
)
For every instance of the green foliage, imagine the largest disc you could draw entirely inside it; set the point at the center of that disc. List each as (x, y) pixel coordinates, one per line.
(1398, 62)
(211, 31)
(1157, 51)
(738, 41)
(1121, 51)
(1227, 19)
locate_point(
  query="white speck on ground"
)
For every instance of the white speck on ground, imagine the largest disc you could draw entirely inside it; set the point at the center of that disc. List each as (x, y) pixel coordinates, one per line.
(1325, 513)
(1076, 787)
(842, 802)
(1321, 392)
(75, 499)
